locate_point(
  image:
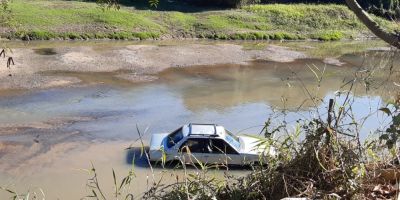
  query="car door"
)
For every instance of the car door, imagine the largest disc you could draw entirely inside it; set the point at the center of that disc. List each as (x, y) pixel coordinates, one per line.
(223, 153)
(195, 150)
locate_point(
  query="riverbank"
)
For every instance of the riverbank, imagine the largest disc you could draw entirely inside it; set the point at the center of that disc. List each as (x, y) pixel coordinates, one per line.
(40, 65)
(54, 67)
(45, 20)
(49, 135)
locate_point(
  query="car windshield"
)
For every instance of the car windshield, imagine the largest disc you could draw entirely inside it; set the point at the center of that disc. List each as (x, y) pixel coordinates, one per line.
(232, 139)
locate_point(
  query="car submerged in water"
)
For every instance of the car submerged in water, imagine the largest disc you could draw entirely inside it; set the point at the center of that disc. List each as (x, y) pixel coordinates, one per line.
(206, 144)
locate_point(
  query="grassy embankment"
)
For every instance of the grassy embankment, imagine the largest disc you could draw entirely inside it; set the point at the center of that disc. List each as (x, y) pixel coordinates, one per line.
(45, 19)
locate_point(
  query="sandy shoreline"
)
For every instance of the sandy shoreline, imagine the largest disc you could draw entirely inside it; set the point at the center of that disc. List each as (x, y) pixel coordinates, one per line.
(135, 63)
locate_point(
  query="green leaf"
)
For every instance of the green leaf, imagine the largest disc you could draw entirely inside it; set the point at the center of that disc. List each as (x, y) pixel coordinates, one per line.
(122, 183)
(384, 137)
(396, 120)
(386, 110)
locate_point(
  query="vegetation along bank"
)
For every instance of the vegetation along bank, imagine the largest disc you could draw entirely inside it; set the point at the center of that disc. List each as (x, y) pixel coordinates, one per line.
(45, 19)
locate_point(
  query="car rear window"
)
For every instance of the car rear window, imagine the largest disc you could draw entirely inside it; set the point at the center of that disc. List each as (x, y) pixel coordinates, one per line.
(221, 147)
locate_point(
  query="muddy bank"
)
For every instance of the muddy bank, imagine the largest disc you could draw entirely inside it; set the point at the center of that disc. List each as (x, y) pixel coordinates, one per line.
(133, 63)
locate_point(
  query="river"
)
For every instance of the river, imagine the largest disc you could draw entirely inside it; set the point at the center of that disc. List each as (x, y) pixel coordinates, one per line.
(49, 135)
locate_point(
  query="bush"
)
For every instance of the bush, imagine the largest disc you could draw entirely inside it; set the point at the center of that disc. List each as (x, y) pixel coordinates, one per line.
(283, 36)
(146, 35)
(121, 36)
(330, 36)
(38, 35)
(385, 8)
(72, 36)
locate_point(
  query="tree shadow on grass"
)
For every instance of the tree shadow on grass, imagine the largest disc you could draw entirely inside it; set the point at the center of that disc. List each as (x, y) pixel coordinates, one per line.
(163, 5)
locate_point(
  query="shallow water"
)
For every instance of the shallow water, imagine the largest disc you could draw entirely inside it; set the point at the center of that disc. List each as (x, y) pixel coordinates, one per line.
(49, 136)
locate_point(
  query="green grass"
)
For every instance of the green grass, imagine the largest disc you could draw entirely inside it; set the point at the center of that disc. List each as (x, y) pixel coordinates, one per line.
(180, 20)
(58, 14)
(47, 19)
(329, 35)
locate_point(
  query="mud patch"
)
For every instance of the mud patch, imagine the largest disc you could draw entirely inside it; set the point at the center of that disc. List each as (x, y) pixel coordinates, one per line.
(34, 81)
(333, 61)
(121, 78)
(45, 51)
(133, 77)
(10, 147)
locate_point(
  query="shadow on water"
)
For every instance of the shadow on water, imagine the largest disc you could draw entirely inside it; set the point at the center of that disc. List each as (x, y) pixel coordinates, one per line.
(136, 156)
(45, 51)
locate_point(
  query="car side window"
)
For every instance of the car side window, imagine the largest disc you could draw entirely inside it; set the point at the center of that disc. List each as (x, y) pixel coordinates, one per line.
(174, 138)
(196, 145)
(219, 146)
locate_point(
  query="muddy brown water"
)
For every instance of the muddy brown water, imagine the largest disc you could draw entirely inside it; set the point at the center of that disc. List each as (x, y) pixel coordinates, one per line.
(48, 137)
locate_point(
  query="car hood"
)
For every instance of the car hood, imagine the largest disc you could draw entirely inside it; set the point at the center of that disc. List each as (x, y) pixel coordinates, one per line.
(249, 145)
(157, 140)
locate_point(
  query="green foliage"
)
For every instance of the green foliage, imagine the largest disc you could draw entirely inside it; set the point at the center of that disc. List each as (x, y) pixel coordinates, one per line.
(44, 19)
(386, 8)
(72, 36)
(153, 3)
(86, 20)
(36, 14)
(146, 35)
(329, 36)
(5, 13)
(233, 22)
(303, 167)
(304, 17)
(283, 36)
(392, 134)
(45, 35)
(181, 20)
(34, 35)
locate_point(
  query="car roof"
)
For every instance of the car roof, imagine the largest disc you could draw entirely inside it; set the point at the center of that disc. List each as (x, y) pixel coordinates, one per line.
(208, 130)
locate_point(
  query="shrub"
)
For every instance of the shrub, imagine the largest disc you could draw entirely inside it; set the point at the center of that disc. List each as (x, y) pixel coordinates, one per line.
(73, 36)
(258, 35)
(100, 35)
(146, 35)
(221, 36)
(39, 35)
(88, 36)
(330, 36)
(385, 8)
(121, 36)
(283, 36)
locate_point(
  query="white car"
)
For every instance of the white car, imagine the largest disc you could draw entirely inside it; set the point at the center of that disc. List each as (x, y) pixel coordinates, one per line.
(205, 143)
